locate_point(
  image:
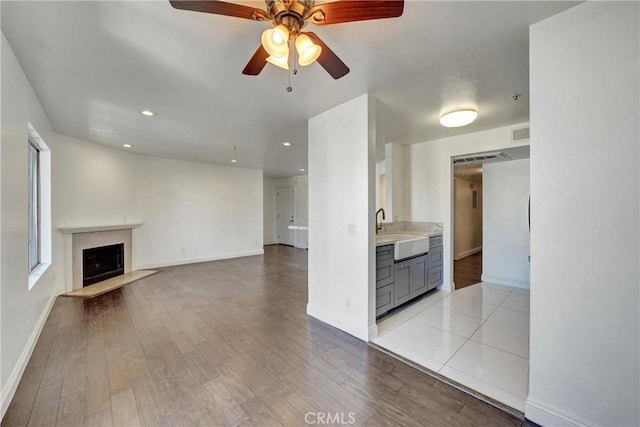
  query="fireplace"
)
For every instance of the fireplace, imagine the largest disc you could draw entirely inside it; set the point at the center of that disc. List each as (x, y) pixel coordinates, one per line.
(102, 263)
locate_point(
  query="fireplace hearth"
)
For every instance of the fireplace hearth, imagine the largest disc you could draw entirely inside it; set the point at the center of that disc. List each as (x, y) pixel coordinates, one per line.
(102, 263)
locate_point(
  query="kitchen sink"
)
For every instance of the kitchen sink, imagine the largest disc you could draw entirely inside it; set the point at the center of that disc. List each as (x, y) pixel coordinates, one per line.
(405, 245)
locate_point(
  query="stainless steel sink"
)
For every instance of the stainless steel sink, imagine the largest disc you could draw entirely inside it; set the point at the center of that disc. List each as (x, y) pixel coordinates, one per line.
(405, 245)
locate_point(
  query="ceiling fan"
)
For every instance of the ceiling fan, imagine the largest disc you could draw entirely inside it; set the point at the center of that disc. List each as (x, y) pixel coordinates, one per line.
(289, 17)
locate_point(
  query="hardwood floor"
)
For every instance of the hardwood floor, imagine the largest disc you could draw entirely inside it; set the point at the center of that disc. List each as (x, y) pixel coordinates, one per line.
(467, 271)
(222, 343)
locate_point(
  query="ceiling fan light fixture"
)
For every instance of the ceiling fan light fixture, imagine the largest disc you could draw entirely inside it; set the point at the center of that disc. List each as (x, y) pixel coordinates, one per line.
(458, 118)
(276, 40)
(280, 61)
(308, 51)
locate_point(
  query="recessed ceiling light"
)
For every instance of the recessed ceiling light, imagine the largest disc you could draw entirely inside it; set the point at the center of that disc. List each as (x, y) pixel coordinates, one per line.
(458, 118)
(234, 161)
(147, 113)
(127, 145)
(287, 144)
(301, 170)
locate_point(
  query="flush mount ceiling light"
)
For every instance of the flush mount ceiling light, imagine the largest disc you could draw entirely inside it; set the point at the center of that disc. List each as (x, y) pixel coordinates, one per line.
(289, 17)
(127, 145)
(458, 118)
(301, 170)
(234, 161)
(287, 144)
(147, 113)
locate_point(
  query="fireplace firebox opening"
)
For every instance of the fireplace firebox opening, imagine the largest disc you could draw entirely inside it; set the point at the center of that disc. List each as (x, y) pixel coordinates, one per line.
(102, 263)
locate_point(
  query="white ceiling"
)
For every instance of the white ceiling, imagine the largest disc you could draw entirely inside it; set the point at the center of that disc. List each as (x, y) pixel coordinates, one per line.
(94, 65)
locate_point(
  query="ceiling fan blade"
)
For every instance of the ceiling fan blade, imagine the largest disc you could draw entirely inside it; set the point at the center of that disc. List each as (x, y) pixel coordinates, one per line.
(328, 59)
(257, 62)
(355, 10)
(220, 8)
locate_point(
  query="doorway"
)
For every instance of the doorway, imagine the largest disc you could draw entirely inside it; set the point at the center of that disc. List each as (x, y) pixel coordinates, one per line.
(285, 215)
(467, 238)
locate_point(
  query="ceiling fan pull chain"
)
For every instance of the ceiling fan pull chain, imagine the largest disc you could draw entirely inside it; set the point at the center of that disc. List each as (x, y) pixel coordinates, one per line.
(289, 88)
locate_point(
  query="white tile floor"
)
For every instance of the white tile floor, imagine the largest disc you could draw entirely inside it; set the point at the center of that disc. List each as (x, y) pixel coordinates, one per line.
(477, 336)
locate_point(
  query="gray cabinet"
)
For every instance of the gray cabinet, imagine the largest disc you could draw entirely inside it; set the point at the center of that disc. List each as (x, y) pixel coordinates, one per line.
(403, 282)
(385, 299)
(385, 288)
(399, 282)
(434, 272)
(410, 278)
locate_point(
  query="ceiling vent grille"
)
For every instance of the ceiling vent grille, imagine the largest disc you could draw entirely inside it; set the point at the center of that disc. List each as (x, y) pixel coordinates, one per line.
(520, 135)
(481, 158)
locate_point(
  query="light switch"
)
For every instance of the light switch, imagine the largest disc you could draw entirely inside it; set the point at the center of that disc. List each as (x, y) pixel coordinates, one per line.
(351, 228)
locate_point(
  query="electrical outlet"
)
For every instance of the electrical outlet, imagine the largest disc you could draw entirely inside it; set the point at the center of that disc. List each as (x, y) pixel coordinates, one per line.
(347, 302)
(182, 250)
(351, 228)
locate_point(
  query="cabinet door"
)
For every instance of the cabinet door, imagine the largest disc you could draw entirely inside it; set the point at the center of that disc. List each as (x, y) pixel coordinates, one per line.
(418, 276)
(435, 257)
(385, 299)
(402, 282)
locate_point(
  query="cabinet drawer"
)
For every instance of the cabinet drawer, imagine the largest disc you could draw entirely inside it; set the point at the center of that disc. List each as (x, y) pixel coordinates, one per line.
(384, 273)
(434, 277)
(435, 241)
(384, 299)
(435, 257)
(384, 253)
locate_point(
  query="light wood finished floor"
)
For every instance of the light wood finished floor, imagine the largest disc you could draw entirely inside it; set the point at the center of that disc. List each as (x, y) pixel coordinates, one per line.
(105, 286)
(217, 344)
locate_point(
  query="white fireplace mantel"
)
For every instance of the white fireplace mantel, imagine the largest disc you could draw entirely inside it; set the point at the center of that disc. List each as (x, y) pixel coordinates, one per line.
(92, 229)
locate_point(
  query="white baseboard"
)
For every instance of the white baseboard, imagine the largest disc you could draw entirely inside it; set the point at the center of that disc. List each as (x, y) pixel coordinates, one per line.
(465, 254)
(11, 385)
(270, 242)
(505, 281)
(541, 414)
(183, 261)
(333, 320)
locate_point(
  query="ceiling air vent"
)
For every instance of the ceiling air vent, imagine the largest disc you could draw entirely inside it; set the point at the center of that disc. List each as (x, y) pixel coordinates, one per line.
(520, 135)
(481, 158)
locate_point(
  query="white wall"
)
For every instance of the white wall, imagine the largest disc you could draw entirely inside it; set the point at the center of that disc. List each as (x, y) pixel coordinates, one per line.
(428, 184)
(394, 165)
(194, 212)
(269, 211)
(584, 217)
(381, 196)
(191, 212)
(341, 196)
(468, 220)
(211, 211)
(505, 246)
(23, 311)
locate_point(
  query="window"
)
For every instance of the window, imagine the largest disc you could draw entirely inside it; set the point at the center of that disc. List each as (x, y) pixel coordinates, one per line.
(39, 207)
(34, 206)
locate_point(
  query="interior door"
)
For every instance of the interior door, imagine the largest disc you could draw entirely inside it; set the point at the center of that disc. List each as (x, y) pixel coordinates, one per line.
(285, 215)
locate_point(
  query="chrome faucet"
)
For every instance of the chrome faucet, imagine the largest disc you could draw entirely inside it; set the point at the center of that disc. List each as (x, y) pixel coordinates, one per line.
(379, 224)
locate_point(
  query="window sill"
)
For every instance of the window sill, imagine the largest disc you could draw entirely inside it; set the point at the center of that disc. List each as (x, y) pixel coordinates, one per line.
(37, 273)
